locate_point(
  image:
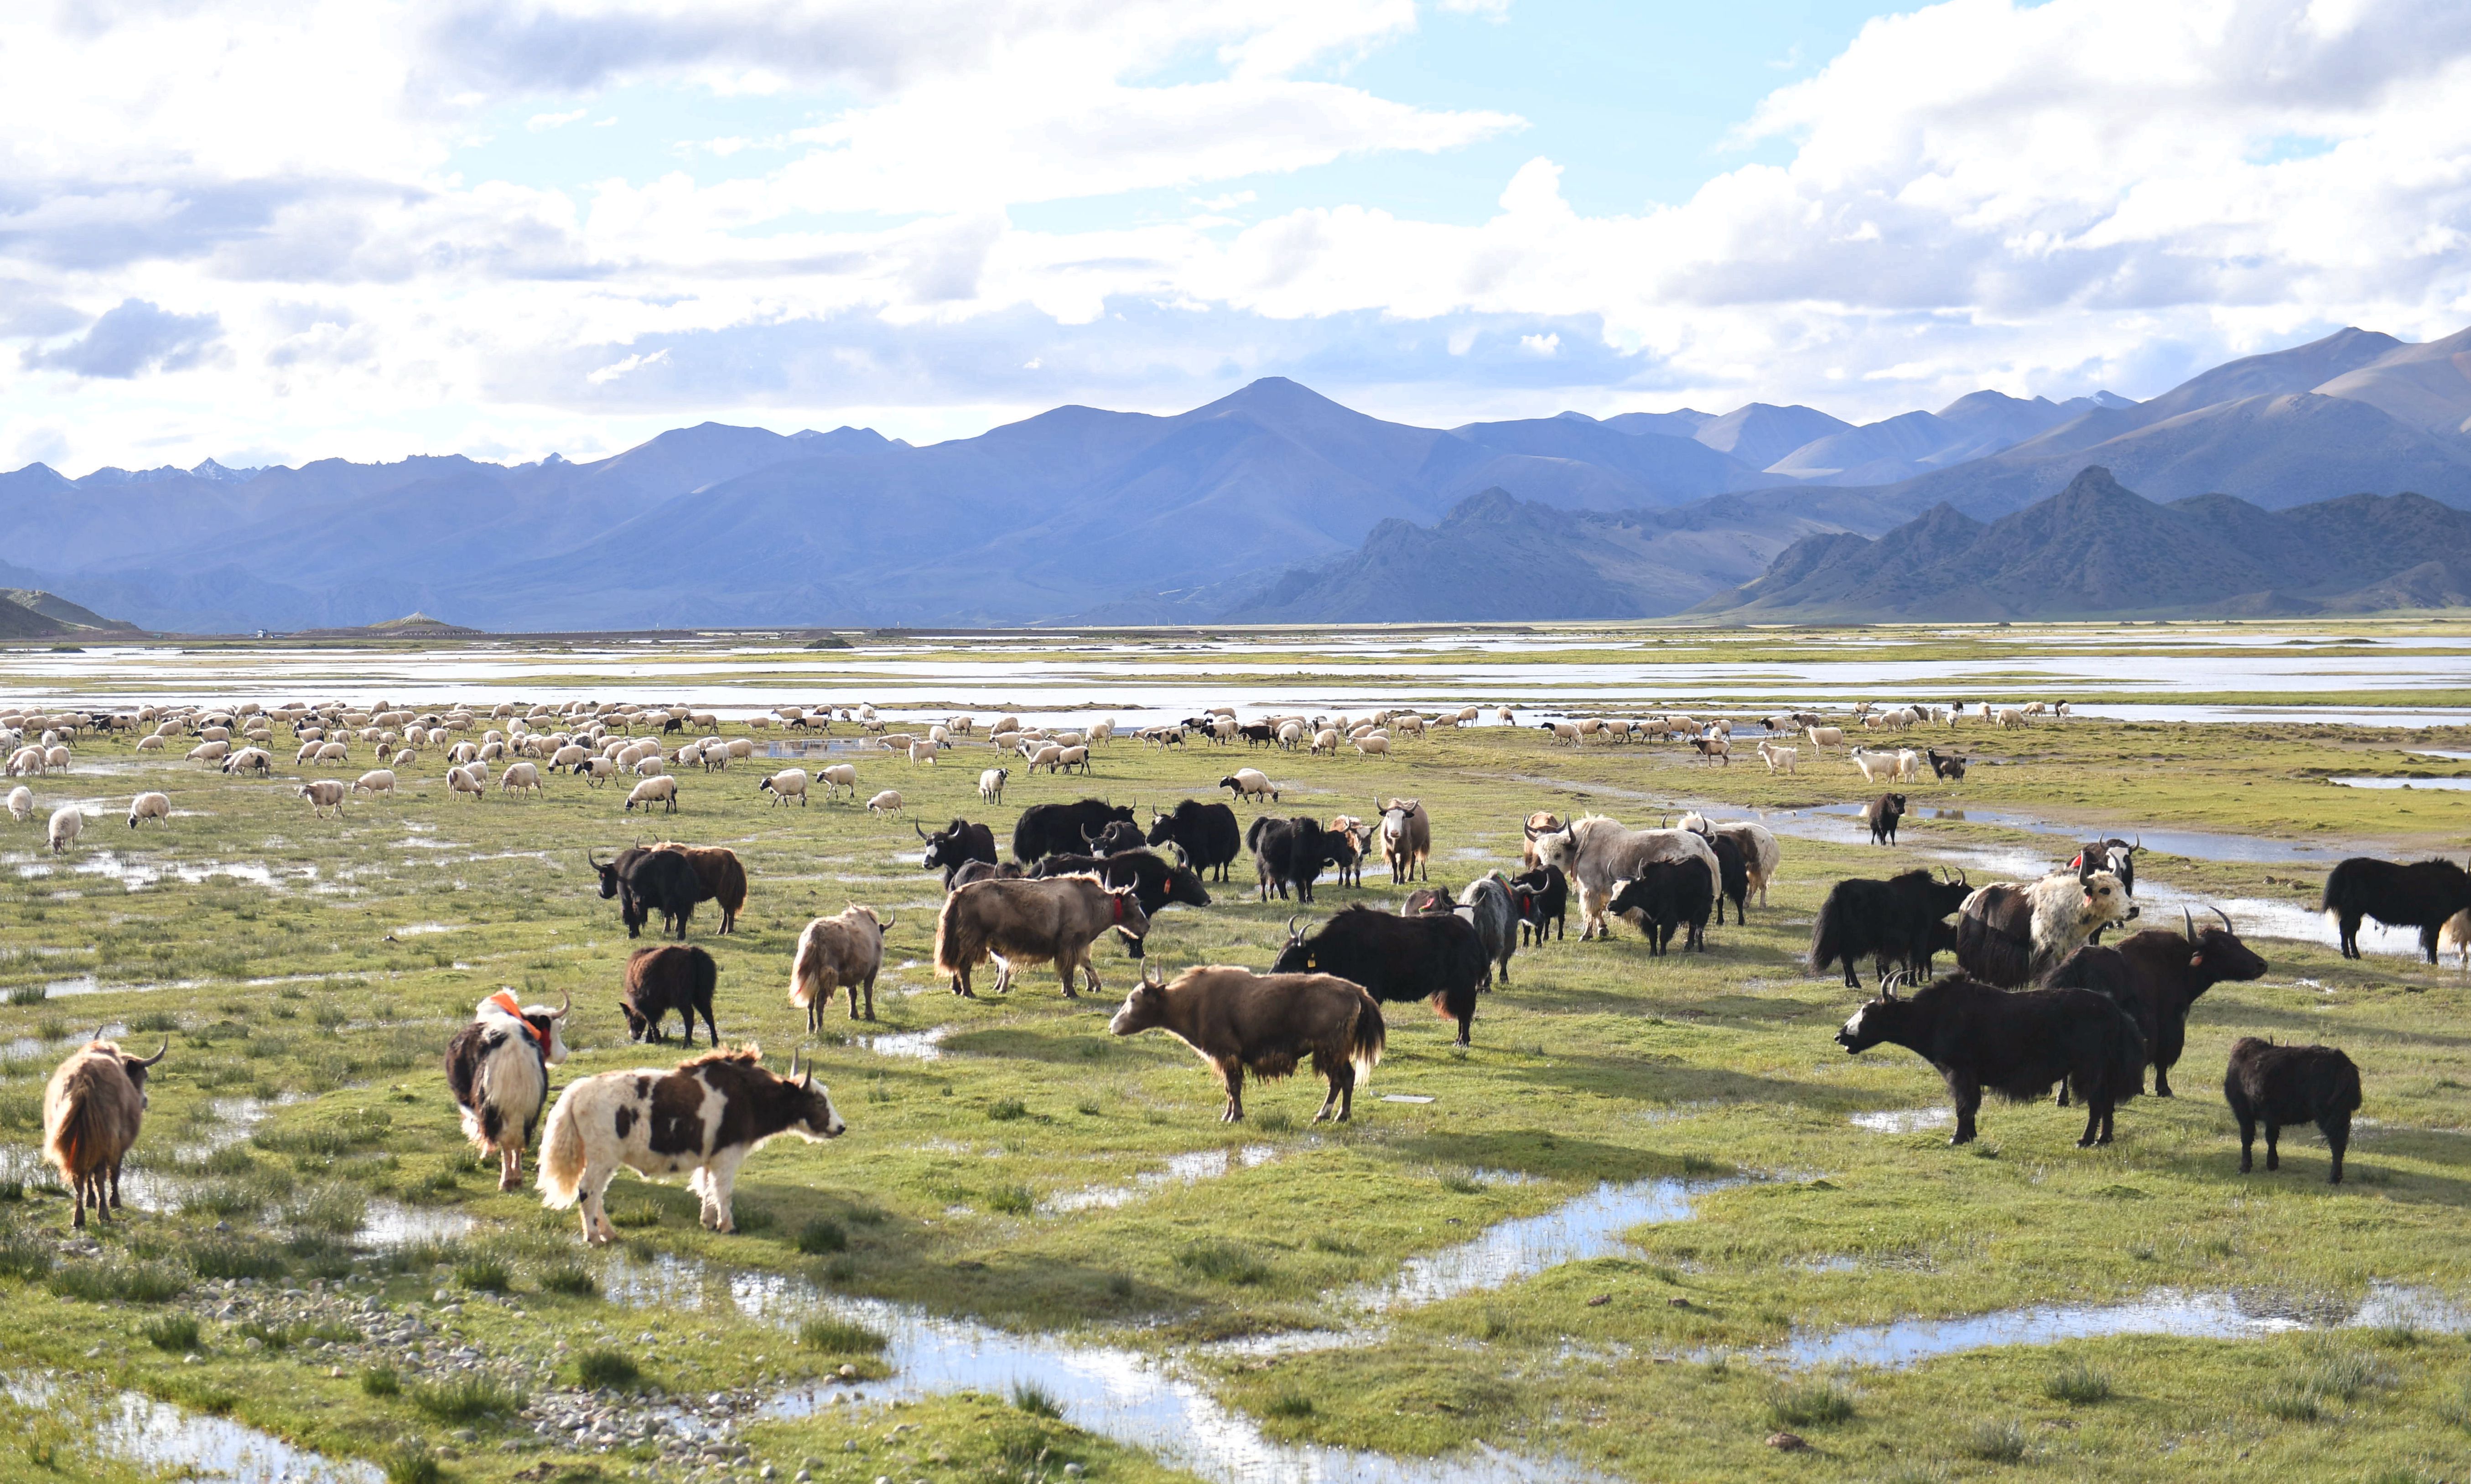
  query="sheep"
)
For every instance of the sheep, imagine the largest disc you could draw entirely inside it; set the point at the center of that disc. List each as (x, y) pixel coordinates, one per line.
(469, 779)
(1048, 756)
(68, 821)
(149, 806)
(375, 782)
(1071, 758)
(1822, 737)
(21, 802)
(1908, 766)
(663, 790)
(208, 752)
(1779, 760)
(923, 752)
(788, 783)
(838, 776)
(1325, 741)
(332, 752)
(27, 759)
(323, 796)
(519, 778)
(2009, 715)
(150, 744)
(1563, 731)
(1374, 745)
(991, 784)
(1871, 765)
(888, 802)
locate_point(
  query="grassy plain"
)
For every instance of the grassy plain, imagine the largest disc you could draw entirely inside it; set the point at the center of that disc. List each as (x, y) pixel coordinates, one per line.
(324, 995)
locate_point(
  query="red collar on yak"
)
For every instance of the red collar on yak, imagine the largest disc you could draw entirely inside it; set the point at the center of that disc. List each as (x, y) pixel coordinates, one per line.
(1119, 904)
(504, 999)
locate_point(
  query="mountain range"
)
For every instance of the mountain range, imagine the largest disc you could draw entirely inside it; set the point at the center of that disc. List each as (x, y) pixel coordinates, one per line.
(1261, 502)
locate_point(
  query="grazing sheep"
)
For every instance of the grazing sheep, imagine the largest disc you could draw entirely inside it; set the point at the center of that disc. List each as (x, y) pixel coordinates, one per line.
(787, 785)
(332, 752)
(21, 802)
(1779, 760)
(991, 784)
(888, 802)
(150, 744)
(519, 778)
(322, 795)
(208, 752)
(469, 779)
(376, 780)
(924, 752)
(27, 759)
(1374, 745)
(68, 821)
(838, 776)
(663, 790)
(740, 747)
(149, 806)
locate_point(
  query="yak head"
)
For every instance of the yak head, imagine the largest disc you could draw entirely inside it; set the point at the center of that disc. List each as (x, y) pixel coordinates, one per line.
(1144, 1008)
(1297, 956)
(2217, 952)
(640, 1027)
(809, 1111)
(1559, 847)
(1426, 901)
(1131, 923)
(608, 870)
(942, 845)
(1184, 887)
(2106, 899)
(1119, 835)
(1542, 823)
(136, 1067)
(1875, 1022)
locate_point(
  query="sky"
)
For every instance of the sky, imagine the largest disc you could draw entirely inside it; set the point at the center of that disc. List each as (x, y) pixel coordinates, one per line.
(272, 232)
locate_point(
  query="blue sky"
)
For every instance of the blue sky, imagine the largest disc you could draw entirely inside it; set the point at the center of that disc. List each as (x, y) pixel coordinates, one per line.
(372, 227)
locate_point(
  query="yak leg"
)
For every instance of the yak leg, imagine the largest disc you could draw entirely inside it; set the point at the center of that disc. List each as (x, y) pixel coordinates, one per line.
(2097, 1118)
(719, 1182)
(2337, 1129)
(510, 1167)
(2169, 1039)
(2248, 1138)
(870, 999)
(598, 1232)
(1230, 1074)
(2272, 1146)
(1968, 1094)
(1342, 1092)
(115, 1185)
(2347, 924)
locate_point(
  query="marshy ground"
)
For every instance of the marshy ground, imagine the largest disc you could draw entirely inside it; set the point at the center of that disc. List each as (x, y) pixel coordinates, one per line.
(312, 1251)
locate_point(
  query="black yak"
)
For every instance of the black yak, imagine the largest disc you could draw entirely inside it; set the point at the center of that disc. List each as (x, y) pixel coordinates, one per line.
(2422, 895)
(2275, 1085)
(2018, 1045)
(1894, 922)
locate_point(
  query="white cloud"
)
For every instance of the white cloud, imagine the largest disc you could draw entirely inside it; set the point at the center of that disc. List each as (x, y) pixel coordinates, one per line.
(2044, 198)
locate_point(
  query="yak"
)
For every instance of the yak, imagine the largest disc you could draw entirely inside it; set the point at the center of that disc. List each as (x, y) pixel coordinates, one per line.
(658, 981)
(1032, 922)
(2017, 1044)
(2275, 1085)
(1288, 852)
(2422, 894)
(1666, 895)
(1238, 1021)
(1156, 881)
(1205, 834)
(648, 881)
(1881, 816)
(1396, 960)
(2010, 934)
(1542, 896)
(1058, 829)
(955, 846)
(497, 1070)
(93, 1108)
(1892, 922)
(2156, 976)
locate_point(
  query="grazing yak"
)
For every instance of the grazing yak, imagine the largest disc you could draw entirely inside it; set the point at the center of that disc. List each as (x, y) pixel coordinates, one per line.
(1062, 829)
(2156, 976)
(1882, 815)
(1287, 853)
(496, 1070)
(1406, 836)
(1665, 895)
(2010, 934)
(2019, 1044)
(1896, 922)
(1156, 883)
(93, 1108)
(955, 846)
(1597, 853)
(839, 952)
(1238, 1021)
(2422, 894)
(1396, 960)
(2275, 1085)
(673, 978)
(1032, 922)
(723, 876)
(1541, 896)
(1205, 834)
(705, 1116)
(644, 882)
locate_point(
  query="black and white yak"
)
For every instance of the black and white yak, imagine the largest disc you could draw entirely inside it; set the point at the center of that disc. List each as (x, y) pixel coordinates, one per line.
(2017, 1044)
(2010, 934)
(497, 1068)
(704, 1117)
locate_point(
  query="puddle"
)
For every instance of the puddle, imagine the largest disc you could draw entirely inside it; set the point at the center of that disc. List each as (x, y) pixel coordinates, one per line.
(2194, 844)
(2243, 1315)
(161, 1438)
(1592, 1226)
(2440, 784)
(393, 1224)
(422, 930)
(1903, 1121)
(1181, 1170)
(926, 1045)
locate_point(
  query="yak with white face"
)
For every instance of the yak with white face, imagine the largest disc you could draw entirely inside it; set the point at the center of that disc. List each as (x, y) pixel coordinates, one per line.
(705, 1117)
(2010, 934)
(497, 1068)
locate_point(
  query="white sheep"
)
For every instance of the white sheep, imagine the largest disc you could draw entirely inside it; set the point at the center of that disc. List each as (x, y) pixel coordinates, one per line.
(375, 782)
(1908, 766)
(596, 771)
(888, 802)
(27, 759)
(740, 747)
(922, 751)
(1822, 737)
(990, 783)
(790, 783)
(467, 779)
(1326, 739)
(332, 752)
(1779, 760)
(150, 744)
(21, 802)
(57, 758)
(209, 752)
(663, 790)
(1071, 758)
(1048, 756)
(1373, 745)
(322, 795)
(1873, 764)
(838, 776)
(2011, 716)
(520, 778)
(650, 768)
(149, 806)
(67, 822)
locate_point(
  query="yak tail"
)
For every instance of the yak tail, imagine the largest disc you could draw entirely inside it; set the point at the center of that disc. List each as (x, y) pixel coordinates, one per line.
(1366, 1040)
(561, 1156)
(804, 970)
(70, 1144)
(1827, 942)
(956, 946)
(2124, 1056)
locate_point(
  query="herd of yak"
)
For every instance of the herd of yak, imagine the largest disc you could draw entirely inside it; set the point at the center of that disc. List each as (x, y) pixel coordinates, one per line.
(2037, 1002)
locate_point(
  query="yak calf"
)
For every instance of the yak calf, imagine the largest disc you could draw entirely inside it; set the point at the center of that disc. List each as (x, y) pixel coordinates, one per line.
(2275, 1085)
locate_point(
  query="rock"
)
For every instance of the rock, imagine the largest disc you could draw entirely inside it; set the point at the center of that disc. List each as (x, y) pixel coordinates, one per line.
(1787, 1443)
(1600, 1301)
(1073, 1470)
(440, 1296)
(466, 1435)
(1676, 1303)
(847, 1371)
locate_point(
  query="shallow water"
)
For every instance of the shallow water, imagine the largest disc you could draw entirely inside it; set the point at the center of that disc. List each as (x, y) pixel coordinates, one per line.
(2439, 784)
(1590, 1226)
(2163, 1312)
(156, 1435)
(393, 1224)
(926, 1045)
(1903, 1121)
(1185, 1169)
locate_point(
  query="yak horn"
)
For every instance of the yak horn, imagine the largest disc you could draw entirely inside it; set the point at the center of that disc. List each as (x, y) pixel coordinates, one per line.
(567, 1003)
(1292, 933)
(918, 829)
(2188, 920)
(158, 1055)
(2226, 920)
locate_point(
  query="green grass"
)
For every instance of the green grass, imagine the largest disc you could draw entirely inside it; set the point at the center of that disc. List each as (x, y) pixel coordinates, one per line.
(1035, 1399)
(606, 1369)
(1997, 1442)
(175, 1332)
(1811, 1404)
(380, 1381)
(1596, 1064)
(839, 1337)
(485, 1275)
(464, 1399)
